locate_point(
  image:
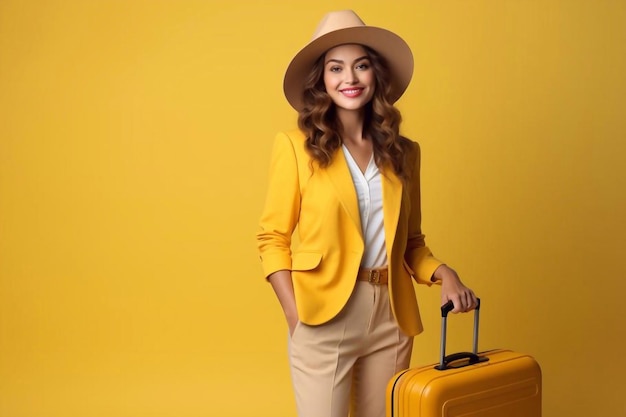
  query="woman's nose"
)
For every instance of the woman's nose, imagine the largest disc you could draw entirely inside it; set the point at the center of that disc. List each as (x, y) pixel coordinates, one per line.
(351, 77)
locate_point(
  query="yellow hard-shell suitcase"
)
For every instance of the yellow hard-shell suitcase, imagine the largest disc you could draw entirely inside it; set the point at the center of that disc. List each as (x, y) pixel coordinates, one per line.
(496, 383)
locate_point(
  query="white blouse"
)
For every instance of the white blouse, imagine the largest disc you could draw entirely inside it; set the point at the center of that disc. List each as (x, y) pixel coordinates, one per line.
(369, 192)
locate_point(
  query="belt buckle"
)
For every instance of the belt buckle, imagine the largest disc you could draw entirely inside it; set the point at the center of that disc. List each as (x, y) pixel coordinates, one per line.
(374, 276)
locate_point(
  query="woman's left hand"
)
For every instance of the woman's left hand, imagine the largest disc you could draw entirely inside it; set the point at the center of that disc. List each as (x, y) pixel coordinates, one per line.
(452, 289)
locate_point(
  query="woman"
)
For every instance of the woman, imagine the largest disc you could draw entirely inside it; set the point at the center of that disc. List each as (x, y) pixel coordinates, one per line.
(350, 184)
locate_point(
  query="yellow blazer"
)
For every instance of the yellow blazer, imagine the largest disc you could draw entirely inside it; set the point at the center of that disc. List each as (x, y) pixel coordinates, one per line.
(322, 204)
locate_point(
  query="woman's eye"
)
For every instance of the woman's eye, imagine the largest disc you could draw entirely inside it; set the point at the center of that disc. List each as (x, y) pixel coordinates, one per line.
(362, 66)
(335, 69)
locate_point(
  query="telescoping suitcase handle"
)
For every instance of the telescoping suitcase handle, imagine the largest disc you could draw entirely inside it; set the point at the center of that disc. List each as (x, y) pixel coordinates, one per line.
(446, 362)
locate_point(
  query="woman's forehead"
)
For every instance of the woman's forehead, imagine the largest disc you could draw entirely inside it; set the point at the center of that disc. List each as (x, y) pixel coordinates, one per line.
(346, 49)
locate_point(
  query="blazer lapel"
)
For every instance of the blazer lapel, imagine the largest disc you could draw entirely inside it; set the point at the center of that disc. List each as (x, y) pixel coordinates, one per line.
(339, 175)
(392, 200)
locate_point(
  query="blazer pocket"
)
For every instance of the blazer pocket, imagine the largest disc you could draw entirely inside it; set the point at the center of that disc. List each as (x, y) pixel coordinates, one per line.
(305, 261)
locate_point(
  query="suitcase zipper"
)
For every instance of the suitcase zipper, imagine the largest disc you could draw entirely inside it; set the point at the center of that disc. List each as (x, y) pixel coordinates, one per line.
(393, 391)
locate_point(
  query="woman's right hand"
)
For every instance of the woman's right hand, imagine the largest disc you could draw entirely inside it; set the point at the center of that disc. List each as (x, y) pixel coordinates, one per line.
(281, 282)
(292, 322)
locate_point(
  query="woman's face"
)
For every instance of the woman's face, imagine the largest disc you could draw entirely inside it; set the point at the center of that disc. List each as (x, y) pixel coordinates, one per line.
(348, 76)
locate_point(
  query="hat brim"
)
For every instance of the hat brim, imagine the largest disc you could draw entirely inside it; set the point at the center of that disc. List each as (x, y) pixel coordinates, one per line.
(389, 45)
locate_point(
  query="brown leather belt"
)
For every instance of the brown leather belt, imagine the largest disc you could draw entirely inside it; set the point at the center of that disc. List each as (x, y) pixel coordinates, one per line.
(373, 276)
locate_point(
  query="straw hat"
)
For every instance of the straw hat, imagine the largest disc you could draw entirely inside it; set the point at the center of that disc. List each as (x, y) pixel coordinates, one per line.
(343, 27)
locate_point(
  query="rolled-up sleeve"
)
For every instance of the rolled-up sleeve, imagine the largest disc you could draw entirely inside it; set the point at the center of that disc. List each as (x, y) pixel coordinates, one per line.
(418, 255)
(282, 208)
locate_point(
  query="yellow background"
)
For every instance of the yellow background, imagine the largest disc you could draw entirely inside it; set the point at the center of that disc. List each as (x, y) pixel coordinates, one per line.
(134, 148)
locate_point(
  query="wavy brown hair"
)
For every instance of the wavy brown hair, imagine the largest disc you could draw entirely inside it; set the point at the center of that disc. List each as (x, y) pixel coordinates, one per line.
(319, 122)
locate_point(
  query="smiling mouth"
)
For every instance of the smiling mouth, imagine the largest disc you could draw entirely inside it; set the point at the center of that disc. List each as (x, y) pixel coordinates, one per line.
(352, 92)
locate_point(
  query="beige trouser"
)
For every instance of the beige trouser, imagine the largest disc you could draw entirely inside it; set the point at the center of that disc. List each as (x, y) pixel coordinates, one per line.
(346, 363)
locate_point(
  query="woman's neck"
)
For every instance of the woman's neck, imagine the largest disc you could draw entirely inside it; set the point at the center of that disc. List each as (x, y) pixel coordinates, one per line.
(352, 125)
